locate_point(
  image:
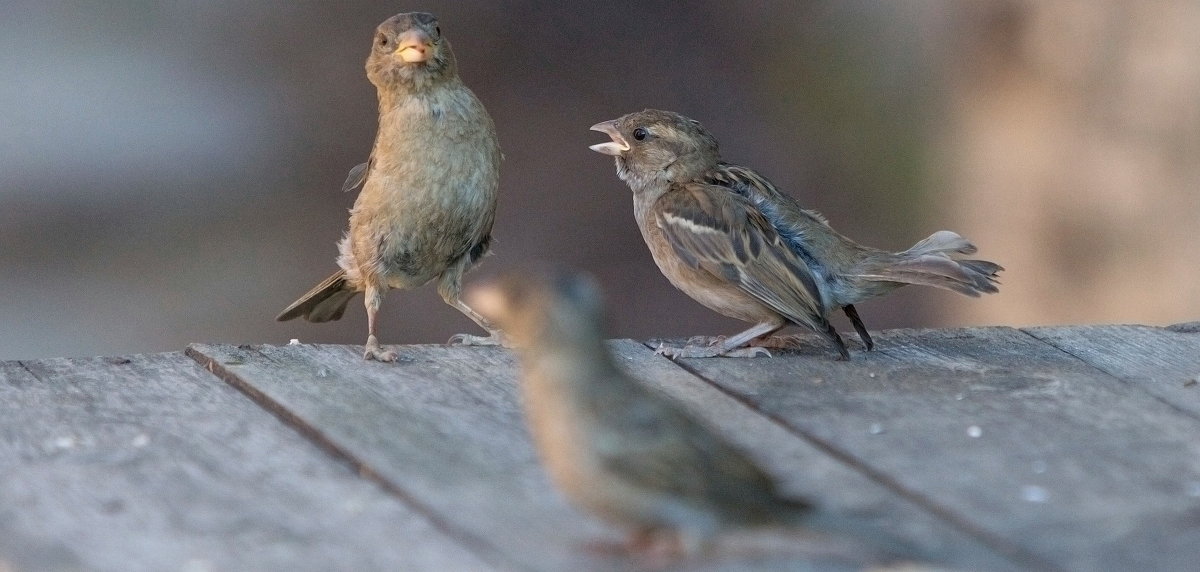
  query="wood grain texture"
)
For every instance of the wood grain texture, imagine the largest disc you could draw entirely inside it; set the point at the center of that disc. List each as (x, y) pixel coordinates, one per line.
(1044, 456)
(441, 428)
(1162, 361)
(444, 430)
(150, 463)
(984, 449)
(809, 472)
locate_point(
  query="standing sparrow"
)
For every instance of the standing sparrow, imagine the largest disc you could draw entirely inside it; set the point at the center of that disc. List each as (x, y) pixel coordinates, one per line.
(724, 235)
(428, 194)
(616, 449)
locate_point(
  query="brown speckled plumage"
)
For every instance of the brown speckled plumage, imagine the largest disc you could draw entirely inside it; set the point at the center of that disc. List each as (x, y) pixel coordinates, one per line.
(428, 195)
(727, 237)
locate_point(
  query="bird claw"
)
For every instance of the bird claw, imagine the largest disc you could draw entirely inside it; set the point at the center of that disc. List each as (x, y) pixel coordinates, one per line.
(374, 351)
(379, 354)
(693, 351)
(747, 352)
(496, 338)
(664, 350)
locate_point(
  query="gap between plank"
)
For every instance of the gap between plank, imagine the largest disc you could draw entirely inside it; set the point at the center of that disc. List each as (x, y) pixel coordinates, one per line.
(31, 373)
(473, 543)
(1018, 554)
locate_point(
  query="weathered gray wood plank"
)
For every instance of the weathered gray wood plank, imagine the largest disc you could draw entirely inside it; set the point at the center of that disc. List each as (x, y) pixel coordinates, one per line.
(1001, 432)
(443, 429)
(1163, 362)
(809, 472)
(150, 463)
(440, 428)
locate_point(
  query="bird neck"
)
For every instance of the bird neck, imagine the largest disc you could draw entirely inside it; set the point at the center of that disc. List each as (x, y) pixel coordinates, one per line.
(417, 87)
(645, 194)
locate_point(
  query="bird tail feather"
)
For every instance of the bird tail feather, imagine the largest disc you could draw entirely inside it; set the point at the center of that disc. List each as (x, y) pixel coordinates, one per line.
(325, 302)
(929, 263)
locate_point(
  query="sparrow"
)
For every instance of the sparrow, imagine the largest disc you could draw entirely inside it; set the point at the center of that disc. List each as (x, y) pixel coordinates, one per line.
(614, 448)
(428, 197)
(730, 239)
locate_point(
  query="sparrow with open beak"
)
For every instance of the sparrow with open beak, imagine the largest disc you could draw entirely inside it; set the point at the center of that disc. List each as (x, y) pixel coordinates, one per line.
(727, 237)
(428, 195)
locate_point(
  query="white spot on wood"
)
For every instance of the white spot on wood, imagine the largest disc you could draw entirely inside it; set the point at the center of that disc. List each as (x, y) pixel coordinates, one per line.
(66, 442)
(1035, 494)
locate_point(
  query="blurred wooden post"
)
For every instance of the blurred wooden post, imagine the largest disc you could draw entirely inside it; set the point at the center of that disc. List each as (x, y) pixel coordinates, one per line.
(1073, 156)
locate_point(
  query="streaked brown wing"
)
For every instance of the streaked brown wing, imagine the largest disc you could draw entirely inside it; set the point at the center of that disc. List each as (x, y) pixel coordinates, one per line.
(653, 444)
(725, 235)
(745, 182)
(748, 183)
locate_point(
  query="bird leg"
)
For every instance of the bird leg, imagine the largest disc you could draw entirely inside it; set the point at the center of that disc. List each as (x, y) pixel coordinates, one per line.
(641, 539)
(858, 326)
(789, 342)
(733, 346)
(656, 548)
(374, 297)
(832, 335)
(794, 342)
(450, 288)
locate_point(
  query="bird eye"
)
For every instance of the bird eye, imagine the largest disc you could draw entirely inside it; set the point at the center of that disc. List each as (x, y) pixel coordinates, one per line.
(437, 30)
(382, 40)
(639, 134)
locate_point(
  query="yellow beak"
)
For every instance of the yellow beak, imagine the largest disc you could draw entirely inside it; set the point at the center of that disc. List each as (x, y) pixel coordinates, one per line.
(413, 46)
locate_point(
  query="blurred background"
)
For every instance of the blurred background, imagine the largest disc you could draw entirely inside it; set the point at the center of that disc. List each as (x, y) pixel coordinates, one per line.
(170, 171)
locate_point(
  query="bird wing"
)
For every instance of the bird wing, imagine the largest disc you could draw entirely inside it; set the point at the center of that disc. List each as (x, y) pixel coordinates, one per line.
(357, 176)
(655, 445)
(726, 235)
(745, 182)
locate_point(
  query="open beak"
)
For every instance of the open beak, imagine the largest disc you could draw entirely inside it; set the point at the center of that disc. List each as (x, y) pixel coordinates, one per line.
(617, 146)
(414, 46)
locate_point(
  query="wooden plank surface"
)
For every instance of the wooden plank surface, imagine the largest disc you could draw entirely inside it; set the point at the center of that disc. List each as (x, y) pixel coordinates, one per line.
(1164, 362)
(1037, 450)
(809, 472)
(150, 463)
(443, 430)
(440, 431)
(1046, 448)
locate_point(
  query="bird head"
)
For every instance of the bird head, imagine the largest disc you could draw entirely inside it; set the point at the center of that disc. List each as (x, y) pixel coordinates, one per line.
(655, 145)
(409, 51)
(541, 310)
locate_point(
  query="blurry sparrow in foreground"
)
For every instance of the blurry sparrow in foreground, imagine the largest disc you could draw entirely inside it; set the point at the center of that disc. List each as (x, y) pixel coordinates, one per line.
(724, 235)
(627, 454)
(428, 192)
(616, 449)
